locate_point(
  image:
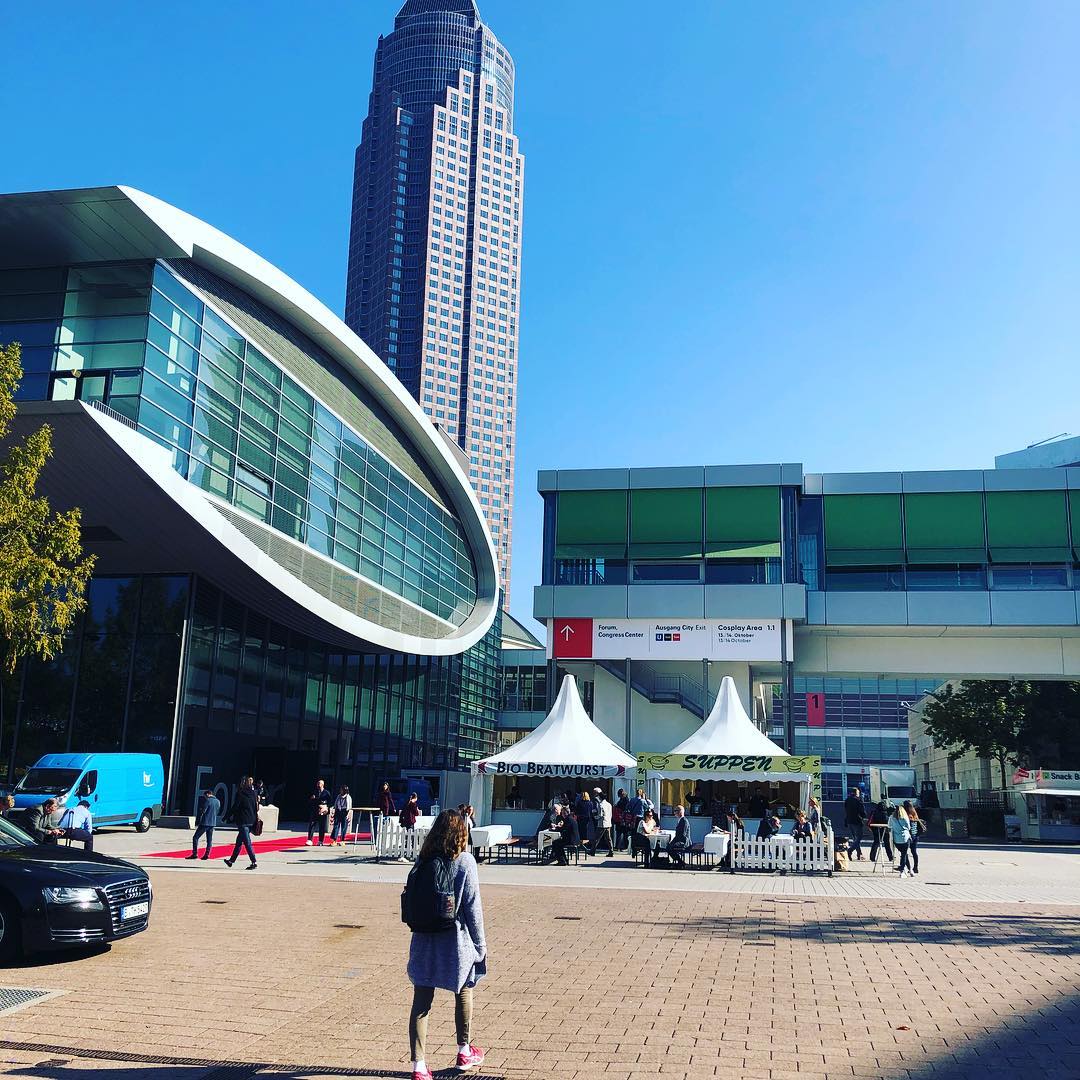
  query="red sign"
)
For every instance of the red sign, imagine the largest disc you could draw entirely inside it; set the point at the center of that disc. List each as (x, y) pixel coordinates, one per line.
(815, 710)
(572, 639)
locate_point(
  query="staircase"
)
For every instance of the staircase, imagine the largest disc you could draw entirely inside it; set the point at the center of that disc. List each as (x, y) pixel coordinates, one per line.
(658, 688)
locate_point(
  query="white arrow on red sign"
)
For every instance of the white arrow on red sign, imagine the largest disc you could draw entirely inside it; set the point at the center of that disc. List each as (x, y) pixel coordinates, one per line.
(567, 632)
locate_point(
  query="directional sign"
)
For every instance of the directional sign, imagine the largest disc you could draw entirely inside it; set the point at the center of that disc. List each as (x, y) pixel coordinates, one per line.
(751, 640)
(572, 639)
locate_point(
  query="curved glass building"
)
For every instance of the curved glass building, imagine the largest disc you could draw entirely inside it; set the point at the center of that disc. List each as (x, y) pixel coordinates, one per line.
(260, 492)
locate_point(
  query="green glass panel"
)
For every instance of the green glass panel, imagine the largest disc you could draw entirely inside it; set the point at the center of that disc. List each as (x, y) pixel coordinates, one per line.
(588, 518)
(660, 517)
(863, 530)
(945, 520)
(1074, 515)
(1027, 526)
(945, 556)
(742, 523)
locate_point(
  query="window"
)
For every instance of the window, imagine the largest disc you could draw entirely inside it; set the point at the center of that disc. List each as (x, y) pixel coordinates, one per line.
(863, 530)
(667, 572)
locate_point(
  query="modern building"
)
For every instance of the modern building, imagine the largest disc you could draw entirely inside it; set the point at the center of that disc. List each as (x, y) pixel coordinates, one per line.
(434, 278)
(834, 600)
(293, 572)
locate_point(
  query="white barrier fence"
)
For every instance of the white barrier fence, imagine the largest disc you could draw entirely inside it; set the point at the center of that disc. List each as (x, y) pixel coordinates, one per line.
(783, 852)
(392, 841)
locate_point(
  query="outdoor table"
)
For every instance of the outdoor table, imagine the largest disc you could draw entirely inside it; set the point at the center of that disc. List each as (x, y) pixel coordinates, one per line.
(358, 813)
(661, 838)
(489, 836)
(717, 844)
(544, 839)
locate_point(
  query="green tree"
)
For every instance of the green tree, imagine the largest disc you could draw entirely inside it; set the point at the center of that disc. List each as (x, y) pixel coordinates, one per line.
(43, 572)
(1012, 723)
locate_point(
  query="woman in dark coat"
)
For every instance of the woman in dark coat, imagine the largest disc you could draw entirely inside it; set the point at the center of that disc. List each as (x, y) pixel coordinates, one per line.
(245, 813)
(386, 802)
(453, 961)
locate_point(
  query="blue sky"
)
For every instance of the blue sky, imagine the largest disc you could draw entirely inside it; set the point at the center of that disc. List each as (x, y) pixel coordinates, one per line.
(841, 234)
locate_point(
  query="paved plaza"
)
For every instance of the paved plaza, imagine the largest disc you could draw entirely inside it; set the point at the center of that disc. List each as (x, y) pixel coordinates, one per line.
(297, 970)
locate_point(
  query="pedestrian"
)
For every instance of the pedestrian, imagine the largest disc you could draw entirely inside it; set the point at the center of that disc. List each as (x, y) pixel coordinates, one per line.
(386, 802)
(642, 839)
(602, 817)
(245, 812)
(454, 959)
(900, 828)
(342, 816)
(681, 841)
(802, 829)
(918, 827)
(636, 810)
(583, 813)
(618, 816)
(569, 837)
(879, 826)
(207, 816)
(319, 803)
(854, 820)
(814, 815)
(410, 812)
(261, 793)
(77, 823)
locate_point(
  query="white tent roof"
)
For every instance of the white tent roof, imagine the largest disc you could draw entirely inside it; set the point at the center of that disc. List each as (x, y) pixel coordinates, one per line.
(728, 730)
(566, 737)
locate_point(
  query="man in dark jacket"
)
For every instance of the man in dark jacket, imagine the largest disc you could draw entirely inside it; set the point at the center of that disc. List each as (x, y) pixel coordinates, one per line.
(680, 841)
(769, 827)
(570, 837)
(619, 812)
(854, 820)
(39, 823)
(206, 820)
(319, 803)
(245, 813)
(879, 826)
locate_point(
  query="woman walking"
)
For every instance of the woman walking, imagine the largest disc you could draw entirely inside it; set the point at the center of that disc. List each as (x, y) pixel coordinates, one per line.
(452, 959)
(918, 827)
(900, 828)
(814, 816)
(245, 813)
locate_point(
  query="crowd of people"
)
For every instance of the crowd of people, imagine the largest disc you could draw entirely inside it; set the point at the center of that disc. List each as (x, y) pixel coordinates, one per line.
(49, 822)
(891, 827)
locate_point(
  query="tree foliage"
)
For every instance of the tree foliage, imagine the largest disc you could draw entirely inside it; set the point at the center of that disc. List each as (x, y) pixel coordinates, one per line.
(1015, 722)
(43, 572)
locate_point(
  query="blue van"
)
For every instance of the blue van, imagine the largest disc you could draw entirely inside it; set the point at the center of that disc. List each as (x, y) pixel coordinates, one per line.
(122, 789)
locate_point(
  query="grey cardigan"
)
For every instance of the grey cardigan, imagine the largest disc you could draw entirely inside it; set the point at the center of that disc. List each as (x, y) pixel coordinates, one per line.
(454, 959)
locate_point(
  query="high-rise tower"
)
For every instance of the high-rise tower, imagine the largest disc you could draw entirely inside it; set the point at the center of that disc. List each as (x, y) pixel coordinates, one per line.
(435, 247)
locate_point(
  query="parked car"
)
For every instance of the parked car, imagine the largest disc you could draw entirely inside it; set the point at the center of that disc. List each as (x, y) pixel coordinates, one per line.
(122, 789)
(56, 897)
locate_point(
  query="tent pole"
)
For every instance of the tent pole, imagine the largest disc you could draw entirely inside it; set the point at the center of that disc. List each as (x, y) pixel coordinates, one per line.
(629, 706)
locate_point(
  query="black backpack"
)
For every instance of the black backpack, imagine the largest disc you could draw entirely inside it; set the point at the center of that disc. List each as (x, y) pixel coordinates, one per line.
(428, 901)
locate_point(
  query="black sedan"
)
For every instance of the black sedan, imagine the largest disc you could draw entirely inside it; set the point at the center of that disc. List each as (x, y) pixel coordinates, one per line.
(55, 897)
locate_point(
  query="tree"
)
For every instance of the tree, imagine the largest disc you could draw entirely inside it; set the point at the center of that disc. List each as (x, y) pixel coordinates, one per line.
(1015, 722)
(43, 572)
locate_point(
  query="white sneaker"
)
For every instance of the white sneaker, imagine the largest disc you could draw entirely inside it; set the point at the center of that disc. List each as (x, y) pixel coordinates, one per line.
(307, 843)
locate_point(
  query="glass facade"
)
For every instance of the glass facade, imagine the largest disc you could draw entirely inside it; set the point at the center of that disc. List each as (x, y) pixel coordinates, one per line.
(137, 339)
(523, 688)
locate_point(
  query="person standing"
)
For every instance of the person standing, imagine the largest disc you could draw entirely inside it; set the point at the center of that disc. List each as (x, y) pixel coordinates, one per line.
(245, 813)
(854, 820)
(814, 815)
(917, 827)
(680, 842)
(319, 803)
(410, 812)
(208, 814)
(618, 816)
(879, 826)
(583, 813)
(453, 960)
(602, 821)
(342, 816)
(900, 828)
(386, 802)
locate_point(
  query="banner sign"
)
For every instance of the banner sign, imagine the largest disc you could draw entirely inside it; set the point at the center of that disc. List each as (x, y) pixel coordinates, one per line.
(667, 639)
(537, 768)
(815, 710)
(743, 764)
(1047, 778)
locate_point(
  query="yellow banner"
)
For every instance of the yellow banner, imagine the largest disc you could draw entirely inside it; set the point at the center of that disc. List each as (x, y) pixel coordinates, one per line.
(672, 764)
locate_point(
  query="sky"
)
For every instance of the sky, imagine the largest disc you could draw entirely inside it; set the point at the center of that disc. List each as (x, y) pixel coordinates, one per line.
(841, 234)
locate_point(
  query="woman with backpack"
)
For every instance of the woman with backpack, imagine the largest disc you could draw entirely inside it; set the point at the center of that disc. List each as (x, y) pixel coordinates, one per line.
(441, 904)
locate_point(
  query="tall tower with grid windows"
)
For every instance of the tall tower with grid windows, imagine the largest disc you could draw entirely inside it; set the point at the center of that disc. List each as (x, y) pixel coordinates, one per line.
(434, 279)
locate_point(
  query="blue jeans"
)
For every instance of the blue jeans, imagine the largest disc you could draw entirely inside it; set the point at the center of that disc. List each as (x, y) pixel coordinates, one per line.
(208, 831)
(243, 839)
(341, 827)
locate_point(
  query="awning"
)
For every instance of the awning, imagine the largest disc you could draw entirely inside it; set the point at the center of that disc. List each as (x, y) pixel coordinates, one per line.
(1073, 793)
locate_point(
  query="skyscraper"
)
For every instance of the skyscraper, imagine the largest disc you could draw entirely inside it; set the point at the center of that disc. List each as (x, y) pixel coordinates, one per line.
(435, 244)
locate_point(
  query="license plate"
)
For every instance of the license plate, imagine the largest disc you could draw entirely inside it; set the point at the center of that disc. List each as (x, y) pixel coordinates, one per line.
(134, 911)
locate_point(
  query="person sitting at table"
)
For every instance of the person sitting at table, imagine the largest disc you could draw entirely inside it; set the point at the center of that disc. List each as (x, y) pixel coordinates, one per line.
(569, 836)
(679, 843)
(643, 837)
(769, 827)
(802, 829)
(731, 820)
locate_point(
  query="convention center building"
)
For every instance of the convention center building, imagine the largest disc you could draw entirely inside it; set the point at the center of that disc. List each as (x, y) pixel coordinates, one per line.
(293, 574)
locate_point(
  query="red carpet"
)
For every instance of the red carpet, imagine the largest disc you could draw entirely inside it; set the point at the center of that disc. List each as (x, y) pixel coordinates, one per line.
(223, 851)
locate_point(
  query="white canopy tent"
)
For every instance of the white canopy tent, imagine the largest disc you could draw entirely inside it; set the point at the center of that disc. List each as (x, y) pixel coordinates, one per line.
(728, 746)
(566, 743)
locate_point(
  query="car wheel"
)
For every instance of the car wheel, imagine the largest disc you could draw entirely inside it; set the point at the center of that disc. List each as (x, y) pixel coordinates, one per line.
(10, 935)
(146, 819)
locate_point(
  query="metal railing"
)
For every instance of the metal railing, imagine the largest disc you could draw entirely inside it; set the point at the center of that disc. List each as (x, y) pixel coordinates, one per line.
(661, 688)
(112, 413)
